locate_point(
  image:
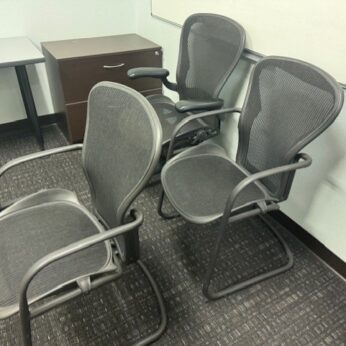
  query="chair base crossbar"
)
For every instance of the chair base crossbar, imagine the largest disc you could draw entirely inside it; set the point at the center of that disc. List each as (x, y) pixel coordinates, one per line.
(160, 209)
(251, 281)
(36, 311)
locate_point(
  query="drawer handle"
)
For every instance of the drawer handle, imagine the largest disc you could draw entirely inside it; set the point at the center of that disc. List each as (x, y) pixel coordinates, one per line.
(109, 67)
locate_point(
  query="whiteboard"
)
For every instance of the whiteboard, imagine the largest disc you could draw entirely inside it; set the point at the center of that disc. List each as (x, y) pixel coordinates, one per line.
(311, 30)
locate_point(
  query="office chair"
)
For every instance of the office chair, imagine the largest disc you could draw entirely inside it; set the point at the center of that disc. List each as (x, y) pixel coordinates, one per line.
(210, 48)
(52, 247)
(288, 104)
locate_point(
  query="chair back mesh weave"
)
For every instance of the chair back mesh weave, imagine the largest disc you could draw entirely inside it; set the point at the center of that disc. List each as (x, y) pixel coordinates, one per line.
(210, 47)
(121, 148)
(288, 104)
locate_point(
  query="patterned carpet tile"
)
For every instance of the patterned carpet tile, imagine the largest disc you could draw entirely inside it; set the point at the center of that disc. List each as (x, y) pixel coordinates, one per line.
(304, 306)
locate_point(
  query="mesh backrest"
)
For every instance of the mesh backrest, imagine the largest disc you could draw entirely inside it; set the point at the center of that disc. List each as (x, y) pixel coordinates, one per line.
(210, 47)
(289, 103)
(121, 148)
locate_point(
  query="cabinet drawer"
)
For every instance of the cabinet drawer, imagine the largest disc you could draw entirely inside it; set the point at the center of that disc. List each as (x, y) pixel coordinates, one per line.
(75, 119)
(151, 92)
(78, 76)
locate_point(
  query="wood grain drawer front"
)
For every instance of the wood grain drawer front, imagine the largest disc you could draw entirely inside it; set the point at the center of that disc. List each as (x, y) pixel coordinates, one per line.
(151, 92)
(76, 119)
(78, 76)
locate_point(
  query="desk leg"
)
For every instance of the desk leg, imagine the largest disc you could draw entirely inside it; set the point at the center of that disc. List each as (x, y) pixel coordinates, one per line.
(29, 103)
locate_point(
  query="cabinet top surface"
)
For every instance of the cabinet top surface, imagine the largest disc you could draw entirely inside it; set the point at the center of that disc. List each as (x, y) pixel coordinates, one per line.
(84, 47)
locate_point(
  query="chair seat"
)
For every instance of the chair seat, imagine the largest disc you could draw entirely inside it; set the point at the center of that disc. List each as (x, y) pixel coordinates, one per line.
(36, 226)
(199, 181)
(170, 117)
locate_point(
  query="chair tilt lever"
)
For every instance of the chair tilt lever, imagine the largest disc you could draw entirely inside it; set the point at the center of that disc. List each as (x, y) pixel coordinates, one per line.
(204, 134)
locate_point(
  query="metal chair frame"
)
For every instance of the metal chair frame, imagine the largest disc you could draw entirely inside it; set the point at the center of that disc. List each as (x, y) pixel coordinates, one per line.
(294, 160)
(27, 313)
(301, 161)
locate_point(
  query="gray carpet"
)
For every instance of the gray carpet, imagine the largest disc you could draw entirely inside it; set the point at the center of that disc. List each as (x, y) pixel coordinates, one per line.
(305, 306)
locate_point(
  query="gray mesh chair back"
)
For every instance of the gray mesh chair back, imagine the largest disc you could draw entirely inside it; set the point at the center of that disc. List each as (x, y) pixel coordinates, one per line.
(121, 148)
(210, 47)
(288, 104)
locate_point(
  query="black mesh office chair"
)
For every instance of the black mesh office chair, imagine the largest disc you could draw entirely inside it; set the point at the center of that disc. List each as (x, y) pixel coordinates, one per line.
(51, 246)
(210, 48)
(288, 104)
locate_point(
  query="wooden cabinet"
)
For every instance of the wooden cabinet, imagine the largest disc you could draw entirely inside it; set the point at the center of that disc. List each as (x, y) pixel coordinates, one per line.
(75, 66)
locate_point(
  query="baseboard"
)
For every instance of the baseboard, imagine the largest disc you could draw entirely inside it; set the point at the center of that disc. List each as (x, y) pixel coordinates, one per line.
(312, 243)
(25, 123)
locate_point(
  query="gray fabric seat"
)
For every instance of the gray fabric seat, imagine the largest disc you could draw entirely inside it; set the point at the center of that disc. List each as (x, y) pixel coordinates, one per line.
(53, 225)
(210, 48)
(199, 180)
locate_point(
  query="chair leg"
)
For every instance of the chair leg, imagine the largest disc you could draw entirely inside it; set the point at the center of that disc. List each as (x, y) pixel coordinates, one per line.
(25, 316)
(159, 208)
(246, 283)
(163, 314)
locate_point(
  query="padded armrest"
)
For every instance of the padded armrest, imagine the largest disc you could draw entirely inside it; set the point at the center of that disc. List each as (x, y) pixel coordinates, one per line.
(152, 72)
(209, 105)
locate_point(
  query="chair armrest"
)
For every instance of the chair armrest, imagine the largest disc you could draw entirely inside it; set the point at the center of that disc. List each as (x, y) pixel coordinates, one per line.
(302, 160)
(40, 154)
(192, 105)
(192, 117)
(152, 72)
(59, 254)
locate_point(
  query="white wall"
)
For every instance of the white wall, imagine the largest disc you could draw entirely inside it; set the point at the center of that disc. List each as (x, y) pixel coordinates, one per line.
(318, 197)
(45, 20)
(279, 27)
(168, 36)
